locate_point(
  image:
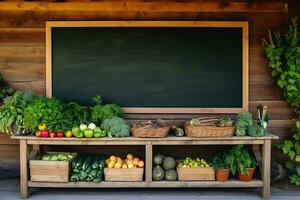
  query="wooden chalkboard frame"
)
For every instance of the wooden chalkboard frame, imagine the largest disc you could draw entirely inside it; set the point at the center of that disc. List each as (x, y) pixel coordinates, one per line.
(214, 24)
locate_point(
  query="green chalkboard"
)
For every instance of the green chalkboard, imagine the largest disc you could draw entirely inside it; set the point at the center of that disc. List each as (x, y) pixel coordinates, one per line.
(149, 66)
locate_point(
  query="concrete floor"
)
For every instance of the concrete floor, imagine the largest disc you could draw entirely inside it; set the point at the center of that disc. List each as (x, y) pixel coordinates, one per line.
(9, 190)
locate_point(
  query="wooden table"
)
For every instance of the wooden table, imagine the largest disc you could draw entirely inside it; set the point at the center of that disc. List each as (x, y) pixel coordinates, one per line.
(264, 158)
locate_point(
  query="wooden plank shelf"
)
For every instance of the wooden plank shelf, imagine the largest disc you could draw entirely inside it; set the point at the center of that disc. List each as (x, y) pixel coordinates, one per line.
(263, 153)
(153, 184)
(143, 141)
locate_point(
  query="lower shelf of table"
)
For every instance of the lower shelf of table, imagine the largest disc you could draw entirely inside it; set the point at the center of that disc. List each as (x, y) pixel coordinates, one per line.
(153, 184)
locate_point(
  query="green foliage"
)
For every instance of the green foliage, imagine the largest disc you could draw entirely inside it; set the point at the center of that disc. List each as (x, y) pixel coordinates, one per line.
(101, 112)
(12, 111)
(77, 114)
(283, 54)
(255, 130)
(239, 159)
(291, 148)
(242, 121)
(49, 111)
(219, 161)
(116, 127)
(4, 91)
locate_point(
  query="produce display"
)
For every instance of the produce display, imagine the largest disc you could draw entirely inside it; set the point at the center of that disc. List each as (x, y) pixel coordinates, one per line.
(58, 156)
(243, 119)
(164, 168)
(224, 121)
(129, 162)
(88, 168)
(193, 163)
(116, 127)
(88, 131)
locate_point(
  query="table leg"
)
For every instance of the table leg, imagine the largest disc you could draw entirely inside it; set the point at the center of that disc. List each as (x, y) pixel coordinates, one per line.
(148, 166)
(24, 192)
(266, 168)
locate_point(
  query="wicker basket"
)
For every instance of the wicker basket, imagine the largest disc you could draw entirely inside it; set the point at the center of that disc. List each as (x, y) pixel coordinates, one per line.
(150, 132)
(208, 131)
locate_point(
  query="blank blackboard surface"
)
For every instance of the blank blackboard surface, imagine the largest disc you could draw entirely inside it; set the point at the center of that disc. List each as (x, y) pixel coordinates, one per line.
(149, 66)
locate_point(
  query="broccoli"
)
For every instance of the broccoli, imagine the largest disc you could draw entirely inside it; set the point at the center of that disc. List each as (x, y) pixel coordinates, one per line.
(116, 127)
(242, 121)
(256, 130)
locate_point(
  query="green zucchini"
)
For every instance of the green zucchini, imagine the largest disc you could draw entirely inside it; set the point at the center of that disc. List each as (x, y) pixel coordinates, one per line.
(80, 161)
(97, 180)
(87, 162)
(75, 170)
(83, 174)
(89, 169)
(74, 162)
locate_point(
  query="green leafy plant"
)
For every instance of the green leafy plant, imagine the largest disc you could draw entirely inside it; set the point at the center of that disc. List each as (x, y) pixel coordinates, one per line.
(12, 111)
(4, 91)
(219, 161)
(283, 54)
(239, 159)
(101, 112)
(77, 114)
(49, 111)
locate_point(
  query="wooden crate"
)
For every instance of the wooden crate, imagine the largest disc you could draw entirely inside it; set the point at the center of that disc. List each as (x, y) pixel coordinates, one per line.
(49, 171)
(113, 174)
(196, 174)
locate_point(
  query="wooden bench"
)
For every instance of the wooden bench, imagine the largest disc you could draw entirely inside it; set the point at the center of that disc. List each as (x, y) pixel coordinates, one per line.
(263, 156)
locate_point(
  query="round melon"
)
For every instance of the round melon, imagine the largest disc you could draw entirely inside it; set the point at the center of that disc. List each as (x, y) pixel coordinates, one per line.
(158, 159)
(169, 163)
(158, 173)
(171, 175)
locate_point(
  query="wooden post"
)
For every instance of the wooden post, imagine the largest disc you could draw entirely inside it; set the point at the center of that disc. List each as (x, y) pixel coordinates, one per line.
(266, 169)
(148, 162)
(24, 193)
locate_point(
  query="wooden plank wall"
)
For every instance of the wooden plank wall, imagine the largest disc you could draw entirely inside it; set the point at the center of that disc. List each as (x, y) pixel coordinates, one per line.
(22, 42)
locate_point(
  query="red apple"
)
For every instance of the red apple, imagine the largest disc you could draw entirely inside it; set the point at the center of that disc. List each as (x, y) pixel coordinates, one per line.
(38, 134)
(52, 134)
(45, 133)
(60, 134)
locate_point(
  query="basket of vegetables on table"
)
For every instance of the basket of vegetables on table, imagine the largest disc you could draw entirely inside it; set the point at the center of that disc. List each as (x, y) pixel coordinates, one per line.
(209, 127)
(152, 129)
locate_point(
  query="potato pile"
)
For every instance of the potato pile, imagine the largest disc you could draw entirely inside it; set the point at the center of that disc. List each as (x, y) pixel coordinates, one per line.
(129, 162)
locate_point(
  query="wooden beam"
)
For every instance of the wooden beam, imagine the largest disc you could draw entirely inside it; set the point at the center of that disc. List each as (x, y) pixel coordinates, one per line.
(145, 6)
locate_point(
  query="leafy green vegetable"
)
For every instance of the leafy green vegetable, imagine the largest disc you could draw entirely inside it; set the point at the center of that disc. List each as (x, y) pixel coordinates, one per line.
(219, 161)
(256, 130)
(101, 112)
(12, 111)
(77, 114)
(239, 159)
(116, 127)
(243, 120)
(49, 111)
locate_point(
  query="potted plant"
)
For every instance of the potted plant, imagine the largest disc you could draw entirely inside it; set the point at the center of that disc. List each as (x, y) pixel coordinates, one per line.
(241, 163)
(221, 167)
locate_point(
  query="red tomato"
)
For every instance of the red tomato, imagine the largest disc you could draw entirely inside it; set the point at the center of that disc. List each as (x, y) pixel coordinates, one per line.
(52, 134)
(60, 134)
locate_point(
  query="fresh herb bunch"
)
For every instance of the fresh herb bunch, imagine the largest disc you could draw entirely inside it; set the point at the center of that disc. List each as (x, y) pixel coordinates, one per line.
(77, 114)
(101, 112)
(4, 91)
(239, 159)
(49, 111)
(12, 111)
(219, 161)
(283, 54)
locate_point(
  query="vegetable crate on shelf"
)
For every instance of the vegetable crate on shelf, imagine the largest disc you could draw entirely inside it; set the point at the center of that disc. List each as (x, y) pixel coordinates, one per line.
(196, 174)
(113, 174)
(49, 171)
